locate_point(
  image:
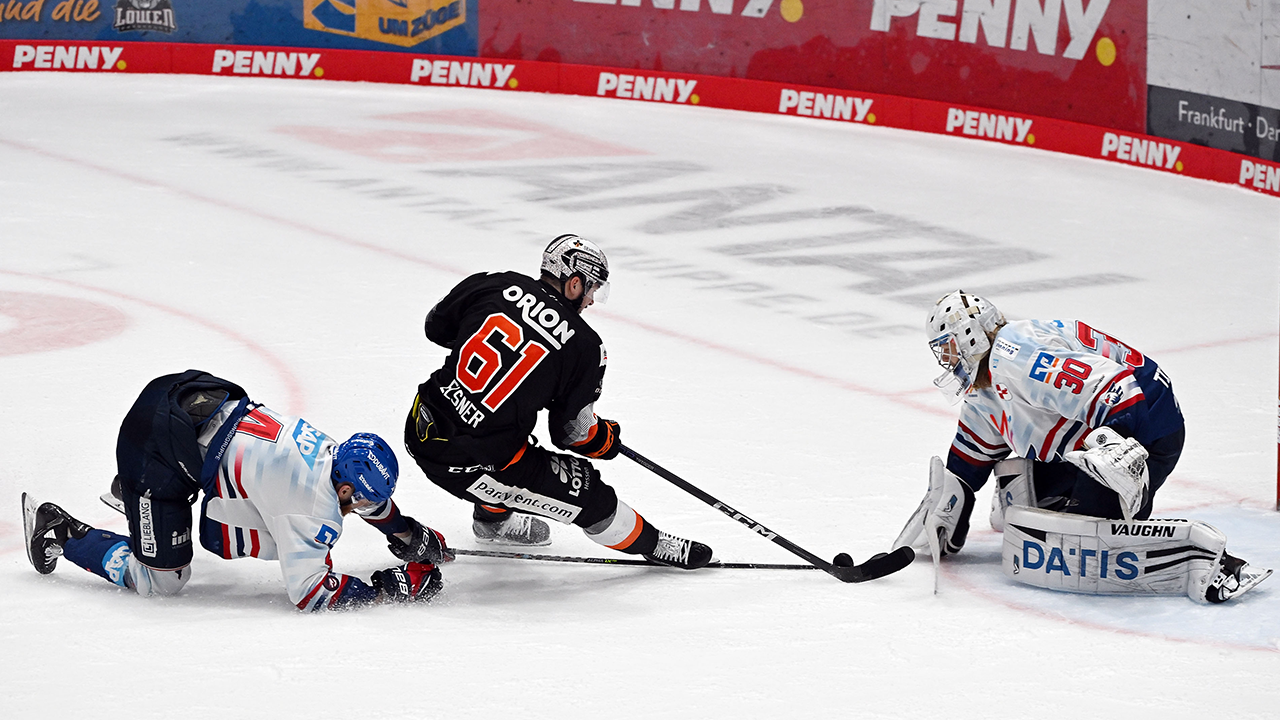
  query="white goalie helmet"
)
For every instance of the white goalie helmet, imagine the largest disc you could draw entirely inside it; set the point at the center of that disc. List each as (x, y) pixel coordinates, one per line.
(570, 255)
(958, 328)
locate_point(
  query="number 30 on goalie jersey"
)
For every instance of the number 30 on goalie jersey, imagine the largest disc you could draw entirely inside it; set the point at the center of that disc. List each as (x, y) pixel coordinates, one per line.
(1051, 383)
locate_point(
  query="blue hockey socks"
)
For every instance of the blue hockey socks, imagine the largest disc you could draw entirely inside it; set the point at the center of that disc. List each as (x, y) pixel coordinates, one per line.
(102, 553)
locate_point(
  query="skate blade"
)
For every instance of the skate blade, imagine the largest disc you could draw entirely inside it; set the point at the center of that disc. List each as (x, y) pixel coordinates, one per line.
(29, 508)
(511, 543)
(112, 502)
(1251, 579)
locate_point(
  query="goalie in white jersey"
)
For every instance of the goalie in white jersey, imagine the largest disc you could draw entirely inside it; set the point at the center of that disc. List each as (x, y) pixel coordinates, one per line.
(1081, 430)
(274, 488)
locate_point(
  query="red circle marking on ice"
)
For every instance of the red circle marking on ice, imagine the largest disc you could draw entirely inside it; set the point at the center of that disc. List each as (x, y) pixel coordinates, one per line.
(55, 322)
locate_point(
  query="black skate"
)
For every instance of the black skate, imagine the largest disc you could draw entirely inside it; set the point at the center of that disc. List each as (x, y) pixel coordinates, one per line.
(1234, 577)
(47, 528)
(511, 528)
(678, 552)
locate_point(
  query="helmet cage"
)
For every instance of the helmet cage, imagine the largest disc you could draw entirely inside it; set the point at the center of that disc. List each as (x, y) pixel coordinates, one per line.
(958, 330)
(959, 371)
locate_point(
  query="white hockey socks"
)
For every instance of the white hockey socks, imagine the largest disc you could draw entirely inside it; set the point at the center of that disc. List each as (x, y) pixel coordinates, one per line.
(1014, 486)
(618, 531)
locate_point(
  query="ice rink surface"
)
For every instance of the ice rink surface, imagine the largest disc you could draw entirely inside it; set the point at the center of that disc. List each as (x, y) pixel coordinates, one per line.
(770, 280)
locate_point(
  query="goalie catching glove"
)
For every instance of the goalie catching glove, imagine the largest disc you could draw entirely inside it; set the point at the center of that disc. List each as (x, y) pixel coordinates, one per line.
(1119, 463)
(411, 582)
(424, 546)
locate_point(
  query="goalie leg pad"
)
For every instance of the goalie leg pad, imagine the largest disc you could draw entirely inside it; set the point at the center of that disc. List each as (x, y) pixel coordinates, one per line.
(1014, 486)
(1077, 553)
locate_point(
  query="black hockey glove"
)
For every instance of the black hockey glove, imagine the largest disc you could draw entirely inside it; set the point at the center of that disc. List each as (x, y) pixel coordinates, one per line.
(413, 582)
(426, 545)
(604, 444)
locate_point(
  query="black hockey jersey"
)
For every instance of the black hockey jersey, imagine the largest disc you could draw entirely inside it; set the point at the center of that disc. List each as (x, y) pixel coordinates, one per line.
(517, 348)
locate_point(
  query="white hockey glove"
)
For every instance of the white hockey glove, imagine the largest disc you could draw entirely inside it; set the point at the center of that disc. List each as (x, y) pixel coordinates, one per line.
(941, 523)
(1119, 463)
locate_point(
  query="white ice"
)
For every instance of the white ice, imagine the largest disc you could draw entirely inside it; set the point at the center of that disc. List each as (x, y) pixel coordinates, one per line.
(765, 343)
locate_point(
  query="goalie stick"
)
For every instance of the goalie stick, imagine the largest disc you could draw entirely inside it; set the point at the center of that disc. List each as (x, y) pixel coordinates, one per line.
(842, 568)
(116, 504)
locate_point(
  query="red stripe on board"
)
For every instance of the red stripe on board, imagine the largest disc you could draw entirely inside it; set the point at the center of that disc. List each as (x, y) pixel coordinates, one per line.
(766, 97)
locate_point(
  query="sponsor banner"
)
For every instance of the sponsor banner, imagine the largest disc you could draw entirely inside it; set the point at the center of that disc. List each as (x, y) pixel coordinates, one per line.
(431, 26)
(492, 492)
(1080, 60)
(812, 103)
(1214, 122)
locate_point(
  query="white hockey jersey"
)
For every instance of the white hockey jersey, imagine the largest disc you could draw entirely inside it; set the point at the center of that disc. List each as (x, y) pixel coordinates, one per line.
(272, 498)
(1052, 381)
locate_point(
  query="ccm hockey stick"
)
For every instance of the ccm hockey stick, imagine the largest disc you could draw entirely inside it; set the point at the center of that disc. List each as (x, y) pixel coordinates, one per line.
(113, 502)
(620, 561)
(842, 568)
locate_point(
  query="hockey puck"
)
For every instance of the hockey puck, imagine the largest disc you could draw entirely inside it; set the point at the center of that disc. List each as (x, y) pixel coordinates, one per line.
(843, 560)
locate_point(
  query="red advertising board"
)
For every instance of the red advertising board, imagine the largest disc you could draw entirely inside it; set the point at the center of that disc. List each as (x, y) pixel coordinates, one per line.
(819, 103)
(1080, 60)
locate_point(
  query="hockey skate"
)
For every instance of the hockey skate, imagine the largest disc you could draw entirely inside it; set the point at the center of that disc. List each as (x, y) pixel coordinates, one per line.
(678, 552)
(47, 528)
(1235, 577)
(510, 528)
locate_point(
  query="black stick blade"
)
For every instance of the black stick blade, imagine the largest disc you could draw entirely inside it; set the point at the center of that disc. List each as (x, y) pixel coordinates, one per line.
(877, 567)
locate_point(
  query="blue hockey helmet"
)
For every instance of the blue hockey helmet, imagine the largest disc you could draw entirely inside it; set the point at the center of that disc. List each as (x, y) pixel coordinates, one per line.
(367, 463)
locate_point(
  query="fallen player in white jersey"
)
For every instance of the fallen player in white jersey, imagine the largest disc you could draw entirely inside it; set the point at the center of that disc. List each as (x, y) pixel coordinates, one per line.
(274, 488)
(1080, 430)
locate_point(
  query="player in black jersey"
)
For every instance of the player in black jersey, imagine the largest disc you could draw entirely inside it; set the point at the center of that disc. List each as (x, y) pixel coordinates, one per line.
(518, 346)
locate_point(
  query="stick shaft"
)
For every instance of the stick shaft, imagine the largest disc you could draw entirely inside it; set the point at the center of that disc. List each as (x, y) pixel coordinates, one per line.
(514, 555)
(707, 498)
